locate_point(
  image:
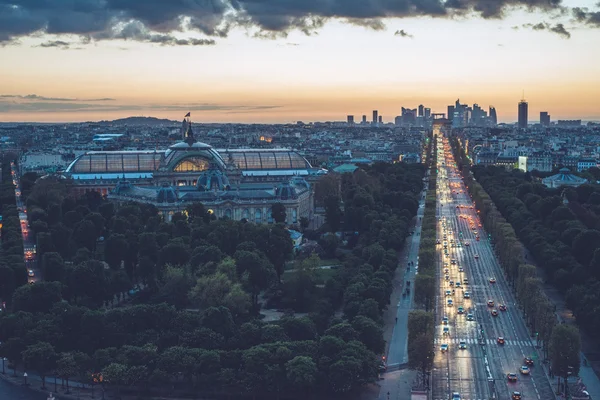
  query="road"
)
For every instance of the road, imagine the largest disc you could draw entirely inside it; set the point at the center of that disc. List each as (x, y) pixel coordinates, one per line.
(29, 248)
(479, 371)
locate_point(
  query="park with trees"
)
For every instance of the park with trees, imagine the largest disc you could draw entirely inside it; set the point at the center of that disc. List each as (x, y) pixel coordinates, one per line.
(138, 305)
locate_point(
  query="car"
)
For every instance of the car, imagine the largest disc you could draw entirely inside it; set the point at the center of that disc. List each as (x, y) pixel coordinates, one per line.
(461, 310)
(470, 317)
(490, 303)
(465, 281)
(528, 361)
(492, 280)
(31, 273)
(450, 303)
(457, 284)
(467, 295)
(494, 313)
(500, 340)
(444, 347)
(447, 277)
(437, 241)
(445, 320)
(461, 269)
(453, 261)
(477, 238)
(451, 283)
(476, 256)
(524, 370)
(448, 293)
(446, 271)
(516, 396)
(455, 396)
(467, 244)
(502, 307)
(462, 345)
(512, 377)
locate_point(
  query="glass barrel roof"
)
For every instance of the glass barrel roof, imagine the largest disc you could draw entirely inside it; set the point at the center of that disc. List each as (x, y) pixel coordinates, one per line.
(248, 159)
(116, 161)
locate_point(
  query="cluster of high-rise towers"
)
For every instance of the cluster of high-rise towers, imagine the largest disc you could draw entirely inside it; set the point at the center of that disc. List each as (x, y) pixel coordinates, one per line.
(459, 115)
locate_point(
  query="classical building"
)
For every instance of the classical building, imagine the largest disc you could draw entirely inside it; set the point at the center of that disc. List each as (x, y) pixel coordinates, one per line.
(231, 183)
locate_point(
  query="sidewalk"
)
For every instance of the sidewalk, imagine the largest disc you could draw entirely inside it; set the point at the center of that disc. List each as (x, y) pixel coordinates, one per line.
(34, 384)
(588, 373)
(398, 383)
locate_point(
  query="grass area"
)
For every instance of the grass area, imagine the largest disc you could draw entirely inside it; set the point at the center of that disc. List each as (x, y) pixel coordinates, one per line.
(321, 275)
(322, 263)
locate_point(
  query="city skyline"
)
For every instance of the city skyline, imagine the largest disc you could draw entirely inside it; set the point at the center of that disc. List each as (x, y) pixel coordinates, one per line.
(346, 65)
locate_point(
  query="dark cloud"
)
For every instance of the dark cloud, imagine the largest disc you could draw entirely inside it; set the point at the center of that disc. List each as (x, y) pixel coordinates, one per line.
(403, 33)
(155, 21)
(7, 106)
(583, 15)
(559, 29)
(43, 98)
(56, 43)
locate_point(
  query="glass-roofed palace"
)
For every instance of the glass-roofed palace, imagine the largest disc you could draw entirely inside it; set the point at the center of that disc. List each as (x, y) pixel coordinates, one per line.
(237, 184)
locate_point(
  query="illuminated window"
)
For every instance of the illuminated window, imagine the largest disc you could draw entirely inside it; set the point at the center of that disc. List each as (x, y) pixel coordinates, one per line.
(192, 164)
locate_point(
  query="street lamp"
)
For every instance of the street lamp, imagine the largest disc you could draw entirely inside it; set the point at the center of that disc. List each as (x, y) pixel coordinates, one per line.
(3, 360)
(25, 378)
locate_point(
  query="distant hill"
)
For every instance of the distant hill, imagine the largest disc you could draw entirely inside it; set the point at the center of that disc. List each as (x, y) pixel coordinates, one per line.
(140, 121)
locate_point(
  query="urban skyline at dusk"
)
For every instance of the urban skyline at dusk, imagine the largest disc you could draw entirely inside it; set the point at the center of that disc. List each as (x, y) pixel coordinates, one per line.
(324, 68)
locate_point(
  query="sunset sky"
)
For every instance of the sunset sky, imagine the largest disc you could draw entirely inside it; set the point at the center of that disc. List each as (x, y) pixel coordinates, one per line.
(309, 60)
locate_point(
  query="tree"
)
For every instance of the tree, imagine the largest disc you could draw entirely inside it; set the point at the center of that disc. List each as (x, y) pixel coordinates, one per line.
(369, 333)
(420, 354)
(174, 286)
(304, 222)
(115, 250)
(210, 291)
(115, 374)
(565, 347)
(37, 298)
(85, 235)
(53, 267)
(425, 290)
(66, 367)
(333, 213)
(258, 272)
(41, 357)
(278, 213)
(301, 372)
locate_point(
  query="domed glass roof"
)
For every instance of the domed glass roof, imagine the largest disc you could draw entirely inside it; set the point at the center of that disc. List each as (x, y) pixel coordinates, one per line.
(166, 194)
(285, 191)
(213, 179)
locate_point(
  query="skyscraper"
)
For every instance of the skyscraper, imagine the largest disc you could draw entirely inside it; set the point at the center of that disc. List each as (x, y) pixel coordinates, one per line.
(409, 117)
(545, 118)
(450, 113)
(493, 116)
(523, 110)
(427, 113)
(381, 119)
(421, 110)
(364, 119)
(375, 118)
(350, 119)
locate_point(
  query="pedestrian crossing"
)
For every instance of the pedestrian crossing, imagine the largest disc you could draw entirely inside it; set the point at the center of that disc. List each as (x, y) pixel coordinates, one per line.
(463, 398)
(521, 343)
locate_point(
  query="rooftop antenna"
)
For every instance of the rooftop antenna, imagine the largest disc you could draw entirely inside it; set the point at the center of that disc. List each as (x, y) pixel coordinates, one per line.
(523, 97)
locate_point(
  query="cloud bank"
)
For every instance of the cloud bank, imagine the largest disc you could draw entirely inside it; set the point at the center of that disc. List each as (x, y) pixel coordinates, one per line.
(33, 103)
(155, 21)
